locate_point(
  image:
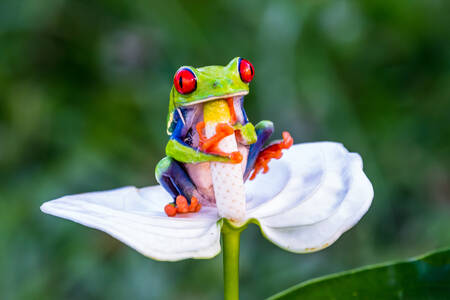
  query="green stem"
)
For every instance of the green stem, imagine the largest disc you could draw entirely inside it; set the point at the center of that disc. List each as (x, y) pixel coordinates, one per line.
(230, 244)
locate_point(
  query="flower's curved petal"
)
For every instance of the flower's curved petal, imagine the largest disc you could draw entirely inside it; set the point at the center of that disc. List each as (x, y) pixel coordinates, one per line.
(136, 217)
(325, 194)
(307, 175)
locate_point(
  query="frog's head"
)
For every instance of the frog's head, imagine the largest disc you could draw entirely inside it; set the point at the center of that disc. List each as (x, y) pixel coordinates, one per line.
(196, 85)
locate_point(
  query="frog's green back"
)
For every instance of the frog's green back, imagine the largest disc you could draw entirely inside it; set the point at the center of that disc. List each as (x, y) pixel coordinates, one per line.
(212, 82)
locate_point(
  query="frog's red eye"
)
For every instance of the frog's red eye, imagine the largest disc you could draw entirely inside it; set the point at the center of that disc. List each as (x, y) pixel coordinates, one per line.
(185, 81)
(246, 70)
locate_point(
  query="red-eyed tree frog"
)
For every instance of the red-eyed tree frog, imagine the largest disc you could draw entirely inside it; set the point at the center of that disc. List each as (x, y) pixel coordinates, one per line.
(185, 171)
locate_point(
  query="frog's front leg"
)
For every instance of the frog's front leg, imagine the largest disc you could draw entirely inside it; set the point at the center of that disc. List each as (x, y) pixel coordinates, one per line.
(264, 130)
(173, 178)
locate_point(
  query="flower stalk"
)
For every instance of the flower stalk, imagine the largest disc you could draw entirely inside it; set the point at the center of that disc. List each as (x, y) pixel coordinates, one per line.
(230, 243)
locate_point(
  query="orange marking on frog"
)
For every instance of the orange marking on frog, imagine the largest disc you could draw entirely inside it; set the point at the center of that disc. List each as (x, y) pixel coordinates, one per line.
(272, 151)
(211, 145)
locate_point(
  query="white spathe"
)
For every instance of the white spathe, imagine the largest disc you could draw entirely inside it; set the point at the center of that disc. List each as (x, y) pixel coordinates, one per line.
(309, 197)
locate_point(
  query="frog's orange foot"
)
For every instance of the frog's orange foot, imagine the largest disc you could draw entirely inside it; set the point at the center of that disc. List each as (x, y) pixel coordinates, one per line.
(181, 206)
(207, 144)
(211, 145)
(272, 151)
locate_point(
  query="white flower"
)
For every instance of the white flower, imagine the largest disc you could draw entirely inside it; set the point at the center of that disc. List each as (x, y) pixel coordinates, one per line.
(312, 195)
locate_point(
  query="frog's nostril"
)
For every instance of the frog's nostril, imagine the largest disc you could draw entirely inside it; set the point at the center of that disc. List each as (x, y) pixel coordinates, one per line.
(215, 84)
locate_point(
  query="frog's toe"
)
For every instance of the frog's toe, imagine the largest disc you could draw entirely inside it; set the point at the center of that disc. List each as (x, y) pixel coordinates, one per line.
(182, 204)
(195, 206)
(170, 210)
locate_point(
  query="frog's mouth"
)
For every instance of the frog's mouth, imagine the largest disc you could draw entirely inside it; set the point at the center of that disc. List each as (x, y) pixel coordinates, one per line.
(193, 114)
(237, 94)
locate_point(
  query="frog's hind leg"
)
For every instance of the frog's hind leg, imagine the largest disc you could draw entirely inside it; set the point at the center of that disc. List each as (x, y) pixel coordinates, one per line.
(172, 176)
(264, 130)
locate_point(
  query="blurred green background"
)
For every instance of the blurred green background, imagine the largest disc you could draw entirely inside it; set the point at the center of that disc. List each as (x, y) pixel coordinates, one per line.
(84, 91)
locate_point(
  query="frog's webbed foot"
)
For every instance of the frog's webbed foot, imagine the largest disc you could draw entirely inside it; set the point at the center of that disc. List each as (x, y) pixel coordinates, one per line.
(210, 145)
(182, 206)
(271, 151)
(174, 179)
